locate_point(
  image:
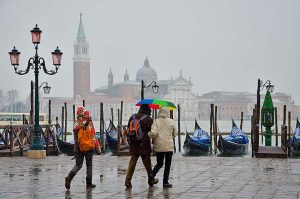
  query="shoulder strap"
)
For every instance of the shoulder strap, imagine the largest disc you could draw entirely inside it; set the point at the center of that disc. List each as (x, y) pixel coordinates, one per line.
(143, 117)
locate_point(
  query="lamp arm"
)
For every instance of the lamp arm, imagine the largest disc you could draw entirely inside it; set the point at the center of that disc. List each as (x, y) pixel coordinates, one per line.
(43, 84)
(263, 86)
(29, 65)
(147, 87)
(43, 65)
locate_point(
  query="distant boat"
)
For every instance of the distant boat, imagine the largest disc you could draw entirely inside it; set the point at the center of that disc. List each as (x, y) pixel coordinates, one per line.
(197, 144)
(112, 137)
(295, 140)
(235, 144)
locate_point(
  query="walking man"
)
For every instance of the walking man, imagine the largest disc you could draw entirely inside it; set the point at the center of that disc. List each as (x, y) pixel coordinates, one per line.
(140, 147)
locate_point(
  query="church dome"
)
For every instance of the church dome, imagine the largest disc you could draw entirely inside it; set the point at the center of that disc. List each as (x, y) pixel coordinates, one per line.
(146, 73)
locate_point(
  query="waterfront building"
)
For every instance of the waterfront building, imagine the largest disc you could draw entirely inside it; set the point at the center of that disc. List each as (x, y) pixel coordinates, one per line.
(177, 90)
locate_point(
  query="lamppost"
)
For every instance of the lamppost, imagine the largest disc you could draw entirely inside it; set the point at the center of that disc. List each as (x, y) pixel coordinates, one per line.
(155, 88)
(267, 109)
(36, 63)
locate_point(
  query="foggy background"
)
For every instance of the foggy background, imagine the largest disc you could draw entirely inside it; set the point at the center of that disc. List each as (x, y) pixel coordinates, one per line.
(221, 45)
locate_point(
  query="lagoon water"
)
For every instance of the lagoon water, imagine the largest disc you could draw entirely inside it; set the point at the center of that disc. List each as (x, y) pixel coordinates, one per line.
(223, 126)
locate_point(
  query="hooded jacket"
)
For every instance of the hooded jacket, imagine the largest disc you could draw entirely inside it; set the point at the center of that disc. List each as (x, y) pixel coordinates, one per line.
(163, 130)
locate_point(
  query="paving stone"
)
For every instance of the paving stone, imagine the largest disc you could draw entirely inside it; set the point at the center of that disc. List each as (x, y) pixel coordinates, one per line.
(192, 177)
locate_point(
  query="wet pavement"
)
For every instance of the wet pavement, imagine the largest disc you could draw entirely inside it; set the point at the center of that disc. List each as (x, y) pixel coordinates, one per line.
(192, 177)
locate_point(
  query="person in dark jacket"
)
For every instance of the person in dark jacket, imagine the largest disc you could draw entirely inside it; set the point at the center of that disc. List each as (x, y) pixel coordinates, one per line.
(83, 121)
(143, 148)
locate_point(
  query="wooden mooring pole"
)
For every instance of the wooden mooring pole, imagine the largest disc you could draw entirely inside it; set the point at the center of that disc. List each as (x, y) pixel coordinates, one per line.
(171, 116)
(289, 131)
(276, 128)
(284, 114)
(211, 126)
(121, 114)
(102, 127)
(112, 114)
(66, 121)
(62, 122)
(215, 129)
(241, 124)
(49, 114)
(179, 139)
(74, 118)
(83, 103)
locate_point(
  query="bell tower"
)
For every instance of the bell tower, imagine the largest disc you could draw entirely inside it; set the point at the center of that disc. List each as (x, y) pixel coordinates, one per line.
(81, 62)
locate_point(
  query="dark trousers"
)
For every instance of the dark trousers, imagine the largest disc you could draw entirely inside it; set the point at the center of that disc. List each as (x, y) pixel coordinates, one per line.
(88, 155)
(160, 156)
(132, 163)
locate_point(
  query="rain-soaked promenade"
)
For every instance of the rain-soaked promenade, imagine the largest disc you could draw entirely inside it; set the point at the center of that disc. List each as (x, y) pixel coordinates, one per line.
(192, 177)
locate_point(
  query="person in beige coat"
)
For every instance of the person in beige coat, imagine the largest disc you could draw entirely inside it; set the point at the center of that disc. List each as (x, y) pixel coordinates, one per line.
(163, 131)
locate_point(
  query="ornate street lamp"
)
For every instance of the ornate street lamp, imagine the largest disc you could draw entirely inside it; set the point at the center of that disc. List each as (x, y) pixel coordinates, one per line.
(267, 119)
(155, 88)
(36, 63)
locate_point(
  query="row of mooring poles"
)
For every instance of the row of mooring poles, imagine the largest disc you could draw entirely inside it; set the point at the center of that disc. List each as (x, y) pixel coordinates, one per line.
(64, 119)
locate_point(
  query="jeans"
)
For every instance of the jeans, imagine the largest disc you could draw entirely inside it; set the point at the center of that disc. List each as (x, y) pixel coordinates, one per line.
(88, 155)
(160, 156)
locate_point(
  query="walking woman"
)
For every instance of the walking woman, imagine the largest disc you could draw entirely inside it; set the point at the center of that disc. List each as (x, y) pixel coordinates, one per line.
(163, 131)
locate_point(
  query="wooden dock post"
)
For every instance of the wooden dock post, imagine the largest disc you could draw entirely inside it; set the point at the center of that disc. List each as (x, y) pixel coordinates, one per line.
(66, 121)
(118, 143)
(289, 131)
(215, 129)
(74, 118)
(284, 114)
(172, 116)
(121, 114)
(252, 127)
(211, 126)
(83, 103)
(112, 114)
(179, 139)
(276, 128)
(49, 114)
(62, 122)
(241, 124)
(102, 127)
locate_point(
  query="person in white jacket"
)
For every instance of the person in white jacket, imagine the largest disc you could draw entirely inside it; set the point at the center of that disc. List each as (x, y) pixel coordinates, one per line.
(162, 132)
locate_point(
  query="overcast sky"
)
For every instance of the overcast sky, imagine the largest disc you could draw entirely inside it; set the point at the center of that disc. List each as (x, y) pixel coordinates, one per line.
(221, 45)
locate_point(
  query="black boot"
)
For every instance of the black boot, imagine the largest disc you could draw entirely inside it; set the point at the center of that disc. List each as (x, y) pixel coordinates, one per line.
(90, 186)
(68, 180)
(167, 185)
(151, 180)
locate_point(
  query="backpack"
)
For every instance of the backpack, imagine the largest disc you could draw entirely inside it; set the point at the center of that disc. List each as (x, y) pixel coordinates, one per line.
(135, 132)
(85, 140)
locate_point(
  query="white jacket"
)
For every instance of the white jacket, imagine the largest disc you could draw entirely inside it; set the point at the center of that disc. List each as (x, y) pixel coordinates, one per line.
(163, 131)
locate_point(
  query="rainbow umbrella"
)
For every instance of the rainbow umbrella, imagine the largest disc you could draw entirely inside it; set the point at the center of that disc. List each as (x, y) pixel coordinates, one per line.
(157, 103)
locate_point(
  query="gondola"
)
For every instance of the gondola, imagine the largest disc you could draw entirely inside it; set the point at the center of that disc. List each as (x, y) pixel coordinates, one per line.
(197, 144)
(295, 140)
(234, 144)
(64, 147)
(112, 137)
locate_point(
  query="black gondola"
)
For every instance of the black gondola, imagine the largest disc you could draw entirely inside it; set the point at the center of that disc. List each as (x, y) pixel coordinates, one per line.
(198, 143)
(112, 137)
(234, 144)
(65, 147)
(295, 140)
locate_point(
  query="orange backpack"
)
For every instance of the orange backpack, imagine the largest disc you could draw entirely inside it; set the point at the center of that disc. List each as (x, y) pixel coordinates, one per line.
(85, 140)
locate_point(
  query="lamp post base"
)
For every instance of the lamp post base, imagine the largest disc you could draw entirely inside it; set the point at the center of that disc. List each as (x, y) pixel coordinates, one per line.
(36, 154)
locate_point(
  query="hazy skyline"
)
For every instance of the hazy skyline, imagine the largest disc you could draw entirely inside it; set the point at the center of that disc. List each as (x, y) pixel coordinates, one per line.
(221, 45)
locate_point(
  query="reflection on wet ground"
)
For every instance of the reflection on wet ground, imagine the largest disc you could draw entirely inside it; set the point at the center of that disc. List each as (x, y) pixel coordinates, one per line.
(192, 177)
